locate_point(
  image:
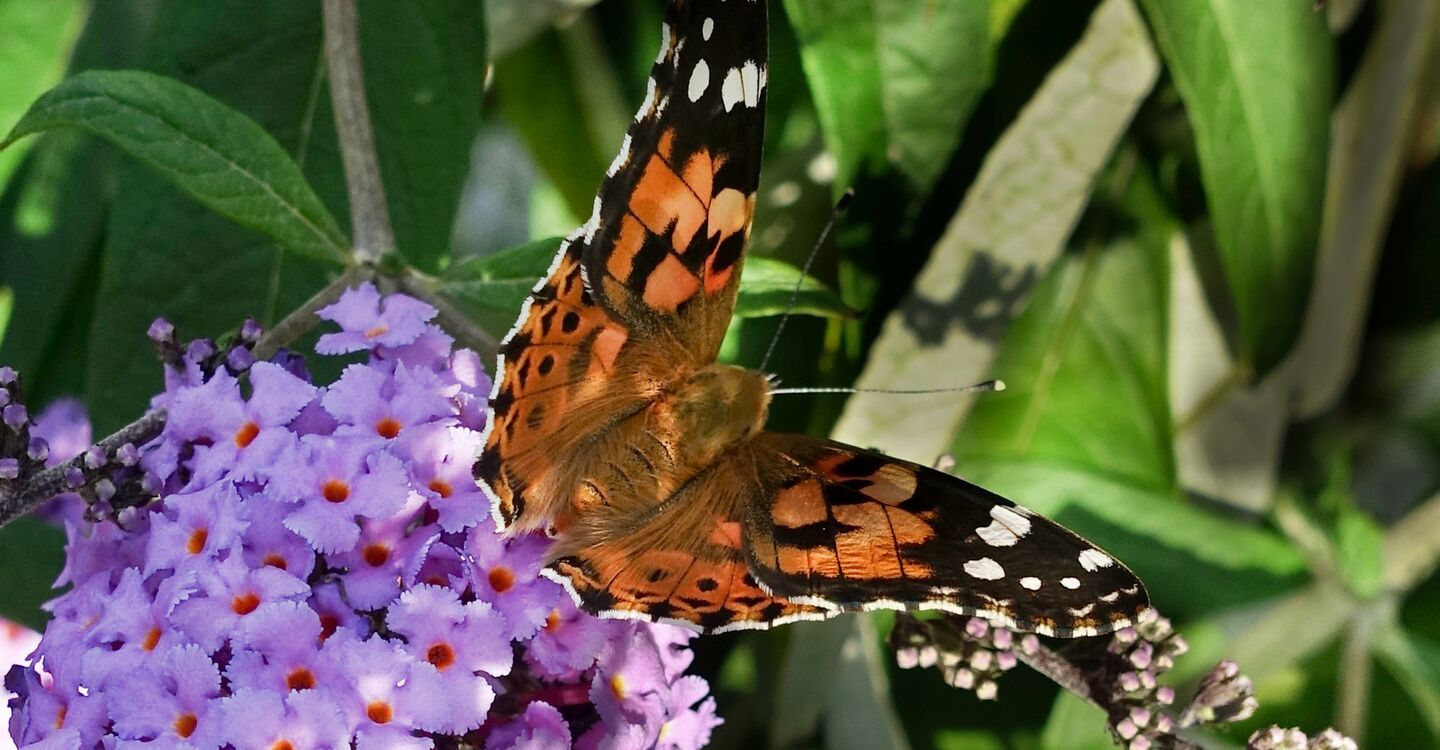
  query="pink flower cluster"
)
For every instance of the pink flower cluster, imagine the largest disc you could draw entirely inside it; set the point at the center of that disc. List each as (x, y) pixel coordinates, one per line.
(320, 570)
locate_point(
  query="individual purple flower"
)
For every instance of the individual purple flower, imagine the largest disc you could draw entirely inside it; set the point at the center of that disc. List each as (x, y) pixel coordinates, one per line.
(441, 457)
(540, 727)
(267, 543)
(171, 703)
(280, 647)
(378, 669)
(236, 436)
(196, 525)
(229, 592)
(386, 554)
(368, 401)
(335, 482)
(507, 575)
(368, 322)
(570, 641)
(134, 628)
(455, 644)
(267, 720)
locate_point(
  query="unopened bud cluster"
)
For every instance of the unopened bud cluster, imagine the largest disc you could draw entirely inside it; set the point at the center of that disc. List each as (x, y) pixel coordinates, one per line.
(971, 653)
(1277, 738)
(1135, 659)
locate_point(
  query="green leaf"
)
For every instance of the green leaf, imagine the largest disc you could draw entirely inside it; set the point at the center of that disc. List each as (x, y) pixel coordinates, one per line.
(424, 78)
(491, 288)
(1257, 80)
(893, 81)
(1012, 225)
(1075, 725)
(767, 284)
(1414, 661)
(1359, 544)
(1085, 369)
(31, 554)
(215, 154)
(32, 54)
(833, 676)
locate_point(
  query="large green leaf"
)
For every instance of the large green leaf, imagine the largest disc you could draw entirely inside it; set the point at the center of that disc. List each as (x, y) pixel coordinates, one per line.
(168, 256)
(1012, 225)
(1257, 80)
(894, 81)
(213, 153)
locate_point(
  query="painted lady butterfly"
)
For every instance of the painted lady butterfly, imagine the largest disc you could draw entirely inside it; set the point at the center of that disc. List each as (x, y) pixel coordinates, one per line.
(613, 427)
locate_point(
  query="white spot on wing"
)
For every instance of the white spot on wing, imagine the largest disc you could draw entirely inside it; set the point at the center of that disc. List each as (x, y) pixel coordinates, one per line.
(1070, 583)
(1007, 528)
(732, 91)
(1030, 583)
(1093, 559)
(985, 569)
(707, 29)
(750, 81)
(699, 80)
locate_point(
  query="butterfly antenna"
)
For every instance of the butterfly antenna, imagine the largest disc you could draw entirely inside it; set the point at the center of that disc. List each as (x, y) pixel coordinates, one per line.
(840, 207)
(988, 386)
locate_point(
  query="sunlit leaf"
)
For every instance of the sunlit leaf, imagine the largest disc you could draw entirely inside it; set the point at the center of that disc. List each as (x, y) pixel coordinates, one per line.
(215, 154)
(893, 81)
(1257, 81)
(1012, 225)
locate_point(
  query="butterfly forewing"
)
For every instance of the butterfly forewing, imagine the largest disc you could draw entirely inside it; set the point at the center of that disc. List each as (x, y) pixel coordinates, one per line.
(642, 293)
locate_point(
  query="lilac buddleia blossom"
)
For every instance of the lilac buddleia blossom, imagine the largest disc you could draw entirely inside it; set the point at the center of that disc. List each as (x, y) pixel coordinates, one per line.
(320, 570)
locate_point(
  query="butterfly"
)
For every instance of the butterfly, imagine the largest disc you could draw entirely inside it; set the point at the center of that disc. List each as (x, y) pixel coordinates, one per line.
(613, 428)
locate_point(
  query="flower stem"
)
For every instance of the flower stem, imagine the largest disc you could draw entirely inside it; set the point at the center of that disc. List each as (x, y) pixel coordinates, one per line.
(51, 482)
(369, 215)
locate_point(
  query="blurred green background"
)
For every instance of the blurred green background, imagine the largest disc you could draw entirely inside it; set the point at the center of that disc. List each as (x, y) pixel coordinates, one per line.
(1197, 238)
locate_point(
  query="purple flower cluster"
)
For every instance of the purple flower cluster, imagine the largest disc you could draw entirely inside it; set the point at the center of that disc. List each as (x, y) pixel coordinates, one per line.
(320, 570)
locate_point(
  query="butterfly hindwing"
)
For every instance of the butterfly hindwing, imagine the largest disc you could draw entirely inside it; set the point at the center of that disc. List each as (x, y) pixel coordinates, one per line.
(855, 529)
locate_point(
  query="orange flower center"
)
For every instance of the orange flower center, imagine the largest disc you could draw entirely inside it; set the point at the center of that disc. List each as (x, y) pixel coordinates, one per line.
(440, 655)
(377, 331)
(617, 686)
(379, 712)
(501, 579)
(244, 604)
(328, 625)
(152, 639)
(246, 434)
(60, 716)
(274, 560)
(196, 543)
(388, 427)
(282, 745)
(552, 621)
(376, 554)
(336, 491)
(300, 679)
(441, 488)
(184, 725)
